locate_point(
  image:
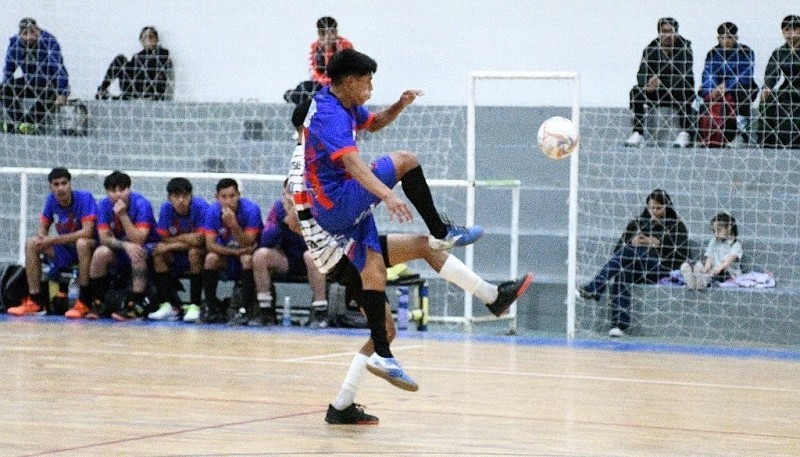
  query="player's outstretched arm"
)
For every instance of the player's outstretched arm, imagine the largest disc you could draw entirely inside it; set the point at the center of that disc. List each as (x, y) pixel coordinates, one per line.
(388, 115)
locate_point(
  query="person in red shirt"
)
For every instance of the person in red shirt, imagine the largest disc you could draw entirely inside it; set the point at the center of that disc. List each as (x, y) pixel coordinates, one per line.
(328, 44)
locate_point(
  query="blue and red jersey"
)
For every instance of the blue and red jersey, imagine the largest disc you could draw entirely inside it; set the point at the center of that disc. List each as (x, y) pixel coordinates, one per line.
(330, 135)
(69, 219)
(140, 212)
(248, 215)
(170, 223)
(277, 234)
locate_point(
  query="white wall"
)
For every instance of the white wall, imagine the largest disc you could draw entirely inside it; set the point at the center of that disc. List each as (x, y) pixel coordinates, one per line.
(228, 50)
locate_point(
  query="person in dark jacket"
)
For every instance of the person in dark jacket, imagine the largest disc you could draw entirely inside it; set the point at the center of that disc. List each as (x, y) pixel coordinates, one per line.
(780, 104)
(147, 75)
(728, 73)
(44, 77)
(665, 78)
(653, 244)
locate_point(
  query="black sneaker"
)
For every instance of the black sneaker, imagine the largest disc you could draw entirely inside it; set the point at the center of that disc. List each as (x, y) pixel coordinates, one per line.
(353, 414)
(265, 317)
(319, 318)
(509, 291)
(129, 312)
(586, 295)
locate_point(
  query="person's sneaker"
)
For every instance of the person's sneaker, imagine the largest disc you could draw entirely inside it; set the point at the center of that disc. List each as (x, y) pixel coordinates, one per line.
(28, 307)
(390, 370)
(635, 140)
(456, 236)
(96, 310)
(318, 319)
(26, 128)
(129, 312)
(682, 140)
(352, 415)
(79, 310)
(616, 332)
(585, 294)
(165, 312)
(102, 94)
(688, 276)
(509, 291)
(191, 313)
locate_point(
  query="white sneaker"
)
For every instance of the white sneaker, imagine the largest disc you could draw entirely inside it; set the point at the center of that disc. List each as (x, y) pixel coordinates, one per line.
(191, 313)
(682, 140)
(390, 370)
(616, 332)
(636, 139)
(165, 312)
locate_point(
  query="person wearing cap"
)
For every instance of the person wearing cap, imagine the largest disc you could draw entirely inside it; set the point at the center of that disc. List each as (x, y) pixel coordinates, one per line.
(780, 104)
(728, 75)
(37, 54)
(328, 43)
(665, 78)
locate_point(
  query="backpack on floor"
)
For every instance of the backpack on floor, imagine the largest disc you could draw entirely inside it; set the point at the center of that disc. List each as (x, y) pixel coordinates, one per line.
(13, 286)
(717, 125)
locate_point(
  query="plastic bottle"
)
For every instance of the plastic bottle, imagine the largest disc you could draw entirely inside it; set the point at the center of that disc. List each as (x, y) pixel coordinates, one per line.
(287, 312)
(402, 308)
(423, 296)
(73, 289)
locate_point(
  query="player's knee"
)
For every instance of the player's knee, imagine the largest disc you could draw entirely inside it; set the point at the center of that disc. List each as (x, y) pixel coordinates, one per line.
(404, 161)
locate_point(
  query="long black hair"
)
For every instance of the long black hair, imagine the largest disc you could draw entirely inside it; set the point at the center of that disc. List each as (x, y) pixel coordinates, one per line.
(724, 217)
(662, 197)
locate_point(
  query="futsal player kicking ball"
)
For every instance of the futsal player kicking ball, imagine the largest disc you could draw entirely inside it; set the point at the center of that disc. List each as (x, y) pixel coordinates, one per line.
(396, 248)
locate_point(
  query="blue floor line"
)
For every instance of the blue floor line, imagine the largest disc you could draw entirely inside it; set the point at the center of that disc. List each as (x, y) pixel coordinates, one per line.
(617, 345)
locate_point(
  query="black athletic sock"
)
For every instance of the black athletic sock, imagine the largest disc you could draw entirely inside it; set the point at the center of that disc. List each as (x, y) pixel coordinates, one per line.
(196, 289)
(373, 302)
(38, 298)
(248, 289)
(419, 194)
(85, 295)
(99, 288)
(210, 282)
(138, 297)
(163, 286)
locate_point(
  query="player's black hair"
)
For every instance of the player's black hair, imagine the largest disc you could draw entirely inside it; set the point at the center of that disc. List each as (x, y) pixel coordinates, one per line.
(326, 22)
(662, 198)
(667, 20)
(300, 112)
(727, 28)
(117, 180)
(148, 28)
(726, 218)
(349, 62)
(58, 173)
(179, 186)
(224, 183)
(790, 21)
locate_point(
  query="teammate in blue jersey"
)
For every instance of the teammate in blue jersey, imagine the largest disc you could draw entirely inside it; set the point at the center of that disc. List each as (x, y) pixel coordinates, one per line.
(182, 250)
(344, 189)
(127, 231)
(74, 213)
(231, 229)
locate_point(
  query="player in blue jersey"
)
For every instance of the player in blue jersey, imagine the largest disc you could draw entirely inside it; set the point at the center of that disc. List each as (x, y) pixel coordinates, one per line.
(127, 231)
(74, 213)
(344, 189)
(182, 249)
(283, 253)
(231, 229)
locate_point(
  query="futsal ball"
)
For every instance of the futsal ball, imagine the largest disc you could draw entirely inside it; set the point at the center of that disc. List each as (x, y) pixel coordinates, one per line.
(557, 137)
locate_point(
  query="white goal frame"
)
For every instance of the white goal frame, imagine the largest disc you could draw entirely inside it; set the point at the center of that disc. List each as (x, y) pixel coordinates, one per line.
(572, 249)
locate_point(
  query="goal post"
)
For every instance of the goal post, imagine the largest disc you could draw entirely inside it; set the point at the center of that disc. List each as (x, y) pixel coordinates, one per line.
(572, 229)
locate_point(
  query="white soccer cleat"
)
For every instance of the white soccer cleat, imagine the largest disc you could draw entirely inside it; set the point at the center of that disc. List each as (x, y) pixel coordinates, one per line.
(165, 312)
(390, 370)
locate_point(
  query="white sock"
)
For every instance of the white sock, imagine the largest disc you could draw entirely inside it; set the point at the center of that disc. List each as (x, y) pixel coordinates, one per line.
(454, 271)
(264, 299)
(351, 382)
(319, 304)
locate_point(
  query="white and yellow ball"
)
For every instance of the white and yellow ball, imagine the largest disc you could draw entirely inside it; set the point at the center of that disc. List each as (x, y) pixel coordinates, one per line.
(557, 137)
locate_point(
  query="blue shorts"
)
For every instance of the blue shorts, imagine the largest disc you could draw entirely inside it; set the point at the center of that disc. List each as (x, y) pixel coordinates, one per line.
(352, 217)
(66, 256)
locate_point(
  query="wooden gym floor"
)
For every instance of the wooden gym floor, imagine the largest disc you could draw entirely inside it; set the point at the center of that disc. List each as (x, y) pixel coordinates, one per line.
(110, 389)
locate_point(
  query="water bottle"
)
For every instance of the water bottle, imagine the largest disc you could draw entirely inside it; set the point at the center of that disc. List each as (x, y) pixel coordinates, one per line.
(423, 298)
(73, 289)
(287, 312)
(402, 308)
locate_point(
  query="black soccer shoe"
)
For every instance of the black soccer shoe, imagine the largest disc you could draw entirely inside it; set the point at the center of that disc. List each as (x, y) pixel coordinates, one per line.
(352, 415)
(509, 291)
